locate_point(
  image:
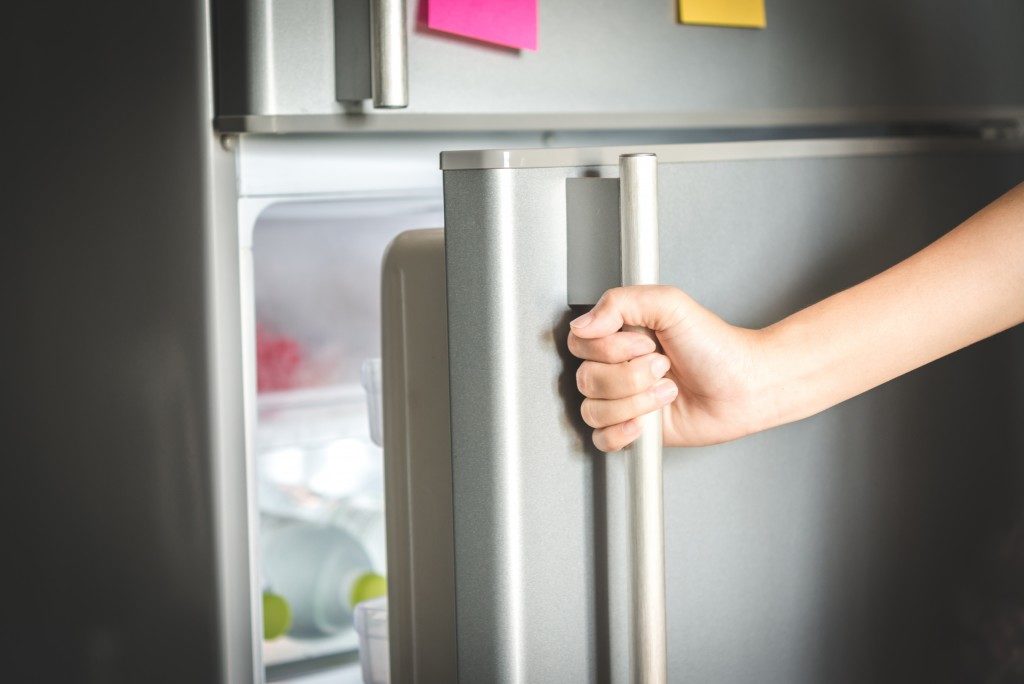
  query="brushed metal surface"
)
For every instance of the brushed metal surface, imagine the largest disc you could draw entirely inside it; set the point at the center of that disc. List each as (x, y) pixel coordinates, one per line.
(127, 551)
(513, 158)
(389, 54)
(593, 241)
(684, 127)
(353, 63)
(524, 585)
(276, 58)
(638, 209)
(840, 548)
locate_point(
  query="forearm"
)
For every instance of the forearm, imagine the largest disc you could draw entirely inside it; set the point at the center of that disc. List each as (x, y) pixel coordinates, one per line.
(965, 287)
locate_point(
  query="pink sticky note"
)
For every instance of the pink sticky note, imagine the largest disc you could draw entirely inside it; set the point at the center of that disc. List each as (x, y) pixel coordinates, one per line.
(512, 23)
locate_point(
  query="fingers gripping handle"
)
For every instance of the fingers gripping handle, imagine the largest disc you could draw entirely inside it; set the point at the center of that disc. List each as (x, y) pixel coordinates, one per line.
(638, 213)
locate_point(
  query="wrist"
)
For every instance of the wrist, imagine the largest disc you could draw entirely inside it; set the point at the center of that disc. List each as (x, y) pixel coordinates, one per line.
(782, 382)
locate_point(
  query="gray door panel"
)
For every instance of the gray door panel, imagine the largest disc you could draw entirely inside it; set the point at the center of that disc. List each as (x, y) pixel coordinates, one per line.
(816, 61)
(856, 545)
(126, 530)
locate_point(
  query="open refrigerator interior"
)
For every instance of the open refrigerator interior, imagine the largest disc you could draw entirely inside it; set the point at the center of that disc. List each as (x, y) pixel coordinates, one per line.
(316, 441)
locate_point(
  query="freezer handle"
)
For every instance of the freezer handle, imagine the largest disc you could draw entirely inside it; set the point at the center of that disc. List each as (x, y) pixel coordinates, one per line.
(638, 213)
(390, 54)
(371, 60)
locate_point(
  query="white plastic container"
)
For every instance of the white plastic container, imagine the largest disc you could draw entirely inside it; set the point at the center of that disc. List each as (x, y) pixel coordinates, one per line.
(371, 622)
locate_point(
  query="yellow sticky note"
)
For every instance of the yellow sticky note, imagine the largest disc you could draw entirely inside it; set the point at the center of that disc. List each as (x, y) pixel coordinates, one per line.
(740, 13)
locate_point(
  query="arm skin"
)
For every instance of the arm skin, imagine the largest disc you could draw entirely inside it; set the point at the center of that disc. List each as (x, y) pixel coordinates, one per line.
(724, 381)
(966, 286)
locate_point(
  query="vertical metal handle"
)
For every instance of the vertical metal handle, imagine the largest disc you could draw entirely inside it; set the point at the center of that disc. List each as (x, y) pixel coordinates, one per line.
(389, 54)
(638, 212)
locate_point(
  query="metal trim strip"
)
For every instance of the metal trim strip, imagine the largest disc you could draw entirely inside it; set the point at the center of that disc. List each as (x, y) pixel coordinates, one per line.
(723, 151)
(368, 121)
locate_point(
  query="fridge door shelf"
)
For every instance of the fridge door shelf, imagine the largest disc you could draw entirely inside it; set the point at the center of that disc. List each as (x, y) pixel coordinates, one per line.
(328, 651)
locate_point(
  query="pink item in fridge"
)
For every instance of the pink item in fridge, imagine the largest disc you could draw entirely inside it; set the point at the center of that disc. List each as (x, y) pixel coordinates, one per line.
(512, 23)
(278, 358)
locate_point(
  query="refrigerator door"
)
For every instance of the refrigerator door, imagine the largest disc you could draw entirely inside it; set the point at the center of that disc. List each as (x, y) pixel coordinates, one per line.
(125, 519)
(855, 545)
(284, 66)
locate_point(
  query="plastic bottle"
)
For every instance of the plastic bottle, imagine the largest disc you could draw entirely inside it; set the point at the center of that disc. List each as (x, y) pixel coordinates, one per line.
(321, 571)
(363, 518)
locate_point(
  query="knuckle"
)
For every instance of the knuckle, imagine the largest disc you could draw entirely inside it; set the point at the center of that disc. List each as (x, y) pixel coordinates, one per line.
(613, 296)
(635, 345)
(624, 349)
(638, 378)
(639, 404)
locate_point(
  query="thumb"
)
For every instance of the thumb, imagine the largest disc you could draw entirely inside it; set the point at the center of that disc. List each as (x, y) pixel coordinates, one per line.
(655, 307)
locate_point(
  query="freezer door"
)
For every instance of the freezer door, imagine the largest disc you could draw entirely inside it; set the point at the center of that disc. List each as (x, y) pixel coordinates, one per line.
(860, 544)
(284, 66)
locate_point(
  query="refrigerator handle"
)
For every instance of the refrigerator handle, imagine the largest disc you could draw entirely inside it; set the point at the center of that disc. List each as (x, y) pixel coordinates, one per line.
(638, 213)
(371, 55)
(390, 54)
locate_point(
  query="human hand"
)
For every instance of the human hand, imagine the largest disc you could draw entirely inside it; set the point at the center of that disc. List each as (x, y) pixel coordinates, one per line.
(707, 377)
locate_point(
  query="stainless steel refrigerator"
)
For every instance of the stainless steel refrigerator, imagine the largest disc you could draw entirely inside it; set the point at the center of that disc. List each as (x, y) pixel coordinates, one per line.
(189, 176)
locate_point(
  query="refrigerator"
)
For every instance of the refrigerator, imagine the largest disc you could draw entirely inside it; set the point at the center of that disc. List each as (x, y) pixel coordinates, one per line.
(225, 212)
